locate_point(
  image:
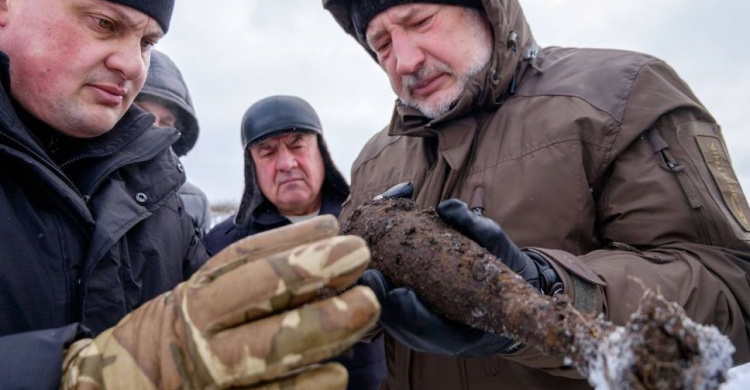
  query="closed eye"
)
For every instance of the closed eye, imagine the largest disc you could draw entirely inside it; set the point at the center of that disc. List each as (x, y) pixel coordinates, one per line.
(422, 22)
(266, 152)
(384, 45)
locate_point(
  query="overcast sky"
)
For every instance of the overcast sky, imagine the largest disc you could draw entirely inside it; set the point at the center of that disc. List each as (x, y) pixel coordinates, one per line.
(235, 52)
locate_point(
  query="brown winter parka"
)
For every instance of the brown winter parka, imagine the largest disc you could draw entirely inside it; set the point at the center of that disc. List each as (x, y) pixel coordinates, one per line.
(602, 160)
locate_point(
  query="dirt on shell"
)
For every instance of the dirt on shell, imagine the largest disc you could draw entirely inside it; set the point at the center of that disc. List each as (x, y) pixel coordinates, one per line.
(659, 348)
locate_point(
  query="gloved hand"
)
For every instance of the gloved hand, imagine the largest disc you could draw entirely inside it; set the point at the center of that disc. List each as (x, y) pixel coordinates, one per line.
(403, 190)
(409, 321)
(245, 318)
(531, 266)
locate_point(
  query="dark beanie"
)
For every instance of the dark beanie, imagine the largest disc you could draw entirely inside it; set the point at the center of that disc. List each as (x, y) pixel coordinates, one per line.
(363, 11)
(160, 10)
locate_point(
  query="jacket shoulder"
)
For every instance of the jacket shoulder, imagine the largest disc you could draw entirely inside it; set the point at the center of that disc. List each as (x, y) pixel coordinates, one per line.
(602, 77)
(189, 188)
(221, 235)
(373, 148)
(194, 199)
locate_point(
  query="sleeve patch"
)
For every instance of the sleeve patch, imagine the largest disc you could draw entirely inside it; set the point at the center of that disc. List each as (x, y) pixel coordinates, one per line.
(721, 171)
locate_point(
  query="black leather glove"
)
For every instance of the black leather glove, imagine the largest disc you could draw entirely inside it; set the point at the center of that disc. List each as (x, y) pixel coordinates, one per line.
(410, 322)
(532, 266)
(404, 190)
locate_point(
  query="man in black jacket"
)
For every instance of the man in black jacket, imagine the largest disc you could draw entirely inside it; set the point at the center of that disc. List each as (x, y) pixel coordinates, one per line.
(166, 95)
(92, 233)
(290, 177)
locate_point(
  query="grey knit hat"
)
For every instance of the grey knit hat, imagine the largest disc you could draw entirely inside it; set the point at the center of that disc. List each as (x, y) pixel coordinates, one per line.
(363, 11)
(160, 10)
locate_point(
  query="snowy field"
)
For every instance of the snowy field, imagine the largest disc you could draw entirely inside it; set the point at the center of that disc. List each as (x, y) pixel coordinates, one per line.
(739, 378)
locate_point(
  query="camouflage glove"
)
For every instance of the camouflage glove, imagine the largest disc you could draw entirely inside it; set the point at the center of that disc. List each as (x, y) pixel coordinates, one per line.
(244, 319)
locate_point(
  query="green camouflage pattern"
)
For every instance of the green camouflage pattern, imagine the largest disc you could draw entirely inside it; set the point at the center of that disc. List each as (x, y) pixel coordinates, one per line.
(257, 314)
(328, 376)
(274, 241)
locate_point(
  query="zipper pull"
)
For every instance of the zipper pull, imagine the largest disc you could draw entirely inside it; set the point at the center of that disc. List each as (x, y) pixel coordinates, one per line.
(477, 201)
(403, 190)
(673, 166)
(54, 145)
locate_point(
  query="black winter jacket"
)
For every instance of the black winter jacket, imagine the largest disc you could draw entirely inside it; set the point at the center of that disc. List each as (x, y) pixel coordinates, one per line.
(85, 240)
(266, 217)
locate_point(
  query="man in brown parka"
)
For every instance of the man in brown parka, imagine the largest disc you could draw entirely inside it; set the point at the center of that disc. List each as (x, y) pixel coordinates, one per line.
(603, 163)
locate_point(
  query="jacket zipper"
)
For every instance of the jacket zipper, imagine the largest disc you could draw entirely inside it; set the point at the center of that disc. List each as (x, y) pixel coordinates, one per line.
(687, 187)
(679, 170)
(87, 197)
(90, 267)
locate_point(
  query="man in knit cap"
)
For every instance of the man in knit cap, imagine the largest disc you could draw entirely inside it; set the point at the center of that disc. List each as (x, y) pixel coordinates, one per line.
(601, 166)
(103, 278)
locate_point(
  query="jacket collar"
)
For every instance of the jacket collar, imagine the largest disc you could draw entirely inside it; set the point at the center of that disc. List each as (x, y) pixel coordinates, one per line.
(139, 142)
(268, 217)
(10, 123)
(455, 137)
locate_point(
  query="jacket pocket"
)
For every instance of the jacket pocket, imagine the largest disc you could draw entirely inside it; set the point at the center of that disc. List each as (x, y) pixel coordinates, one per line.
(652, 256)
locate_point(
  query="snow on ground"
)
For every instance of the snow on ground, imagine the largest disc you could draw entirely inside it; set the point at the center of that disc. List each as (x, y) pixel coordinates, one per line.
(739, 378)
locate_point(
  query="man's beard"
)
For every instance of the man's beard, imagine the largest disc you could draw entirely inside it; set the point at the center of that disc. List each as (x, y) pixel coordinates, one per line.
(433, 109)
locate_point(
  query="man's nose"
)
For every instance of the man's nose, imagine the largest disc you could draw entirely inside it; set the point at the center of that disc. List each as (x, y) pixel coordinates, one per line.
(409, 56)
(286, 160)
(129, 60)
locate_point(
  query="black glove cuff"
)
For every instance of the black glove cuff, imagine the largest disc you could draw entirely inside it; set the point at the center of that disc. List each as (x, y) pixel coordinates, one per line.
(548, 282)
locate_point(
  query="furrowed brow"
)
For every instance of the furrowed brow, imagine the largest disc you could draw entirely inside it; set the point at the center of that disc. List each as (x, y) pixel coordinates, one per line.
(262, 145)
(298, 137)
(406, 16)
(399, 19)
